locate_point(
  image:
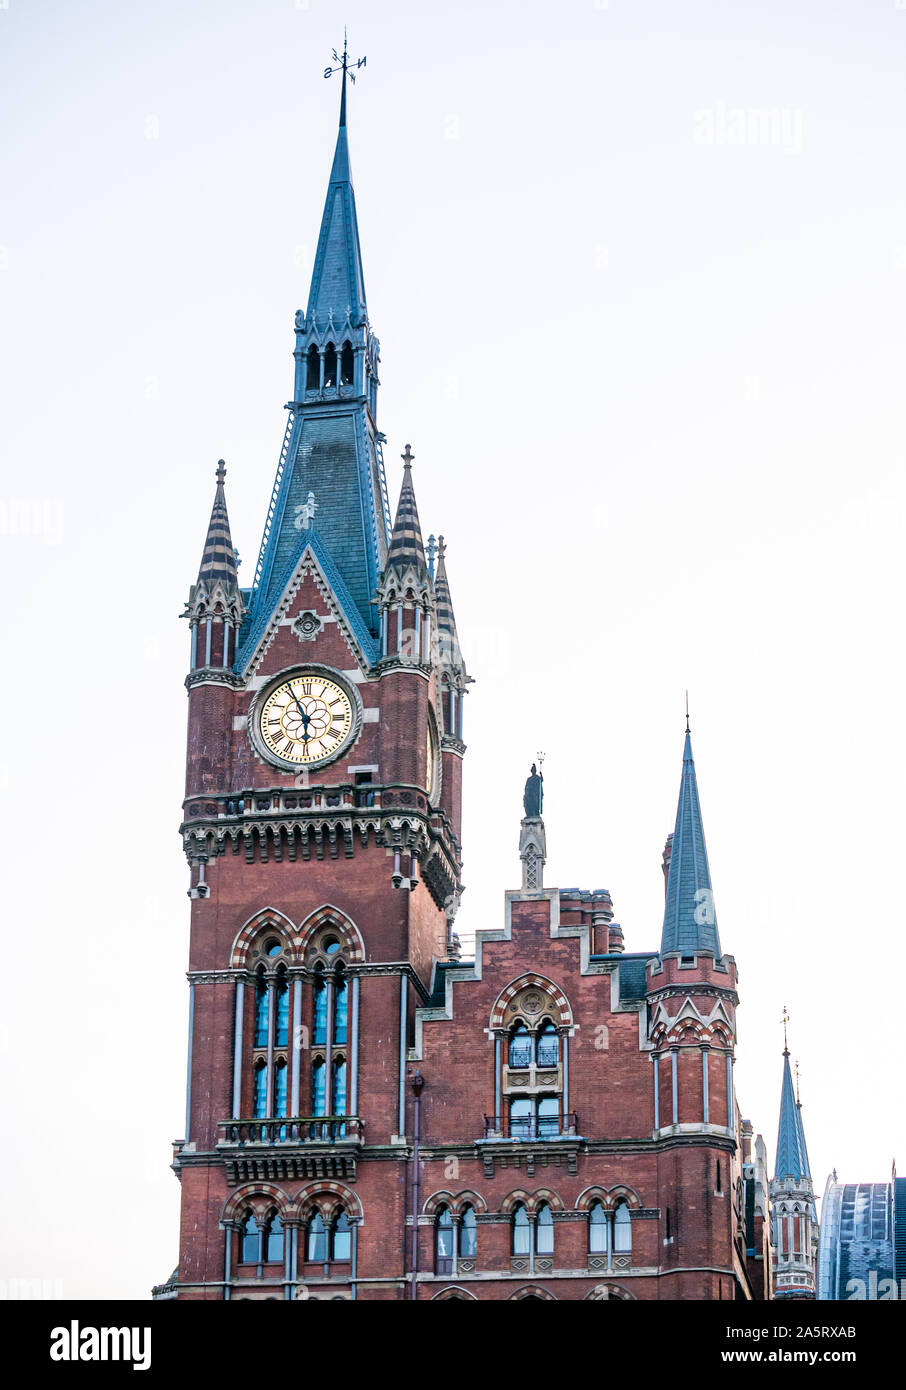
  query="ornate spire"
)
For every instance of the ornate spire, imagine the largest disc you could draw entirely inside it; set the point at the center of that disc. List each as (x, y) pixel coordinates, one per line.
(792, 1155)
(215, 593)
(449, 652)
(338, 281)
(690, 923)
(406, 548)
(218, 560)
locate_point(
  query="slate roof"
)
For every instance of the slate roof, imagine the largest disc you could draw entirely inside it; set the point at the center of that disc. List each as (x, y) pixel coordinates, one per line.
(690, 922)
(792, 1155)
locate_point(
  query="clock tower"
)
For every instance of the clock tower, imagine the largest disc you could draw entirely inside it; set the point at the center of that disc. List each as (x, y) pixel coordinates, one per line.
(322, 816)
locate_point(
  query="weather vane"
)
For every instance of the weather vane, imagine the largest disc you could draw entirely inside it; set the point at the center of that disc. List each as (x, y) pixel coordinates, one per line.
(345, 64)
(785, 1020)
(541, 757)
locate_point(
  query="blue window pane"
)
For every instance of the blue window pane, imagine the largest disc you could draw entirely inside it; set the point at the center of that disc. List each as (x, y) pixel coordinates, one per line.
(520, 1053)
(548, 1048)
(280, 1091)
(444, 1234)
(318, 1088)
(521, 1231)
(341, 1012)
(544, 1231)
(274, 1241)
(282, 1015)
(597, 1229)
(317, 1238)
(622, 1230)
(251, 1241)
(548, 1117)
(260, 1093)
(522, 1122)
(468, 1232)
(339, 1088)
(341, 1238)
(261, 1014)
(320, 1013)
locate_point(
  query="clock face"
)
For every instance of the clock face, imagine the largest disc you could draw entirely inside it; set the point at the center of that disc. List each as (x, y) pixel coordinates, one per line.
(306, 719)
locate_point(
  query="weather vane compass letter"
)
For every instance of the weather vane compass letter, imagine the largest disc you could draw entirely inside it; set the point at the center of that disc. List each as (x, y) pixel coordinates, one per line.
(345, 65)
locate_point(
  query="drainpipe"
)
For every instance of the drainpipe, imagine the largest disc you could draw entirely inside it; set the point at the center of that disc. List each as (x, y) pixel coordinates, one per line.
(418, 1082)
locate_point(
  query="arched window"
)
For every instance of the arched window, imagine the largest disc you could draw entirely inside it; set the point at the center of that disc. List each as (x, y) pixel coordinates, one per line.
(280, 1075)
(260, 1100)
(262, 1010)
(347, 365)
(250, 1241)
(273, 1240)
(340, 1237)
(341, 1009)
(548, 1046)
(330, 365)
(520, 1052)
(597, 1229)
(443, 1242)
(319, 1020)
(544, 1231)
(317, 1238)
(318, 1086)
(521, 1231)
(339, 1086)
(313, 374)
(468, 1235)
(282, 1031)
(622, 1230)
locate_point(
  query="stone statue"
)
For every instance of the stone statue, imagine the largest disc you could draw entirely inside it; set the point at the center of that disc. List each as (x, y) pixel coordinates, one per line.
(533, 795)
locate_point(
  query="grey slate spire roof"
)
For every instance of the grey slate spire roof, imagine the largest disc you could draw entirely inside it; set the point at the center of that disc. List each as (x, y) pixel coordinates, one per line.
(792, 1155)
(338, 281)
(448, 637)
(406, 546)
(690, 922)
(218, 560)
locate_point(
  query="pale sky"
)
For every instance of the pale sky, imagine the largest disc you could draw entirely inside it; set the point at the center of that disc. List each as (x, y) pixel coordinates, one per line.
(639, 274)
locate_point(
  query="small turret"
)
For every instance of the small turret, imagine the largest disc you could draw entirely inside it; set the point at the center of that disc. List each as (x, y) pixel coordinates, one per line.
(405, 595)
(215, 607)
(793, 1213)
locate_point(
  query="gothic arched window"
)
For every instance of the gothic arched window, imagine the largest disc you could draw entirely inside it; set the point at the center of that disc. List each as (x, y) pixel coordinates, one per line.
(273, 1239)
(622, 1230)
(281, 1037)
(313, 371)
(548, 1046)
(262, 1009)
(347, 365)
(340, 1237)
(520, 1049)
(317, 1238)
(341, 1009)
(521, 1230)
(443, 1241)
(319, 1017)
(318, 1086)
(339, 1086)
(249, 1241)
(597, 1229)
(468, 1235)
(260, 1097)
(544, 1230)
(280, 1076)
(330, 365)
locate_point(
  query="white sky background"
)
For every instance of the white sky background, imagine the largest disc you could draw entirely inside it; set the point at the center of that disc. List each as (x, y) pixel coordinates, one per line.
(654, 389)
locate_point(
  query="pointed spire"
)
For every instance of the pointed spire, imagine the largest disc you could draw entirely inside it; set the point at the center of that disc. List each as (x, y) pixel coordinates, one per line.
(690, 923)
(218, 560)
(406, 546)
(337, 280)
(215, 593)
(792, 1155)
(450, 654)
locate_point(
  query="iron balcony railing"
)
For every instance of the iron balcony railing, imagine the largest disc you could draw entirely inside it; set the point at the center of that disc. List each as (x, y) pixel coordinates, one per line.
(564, 1126)
(303, 1129)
